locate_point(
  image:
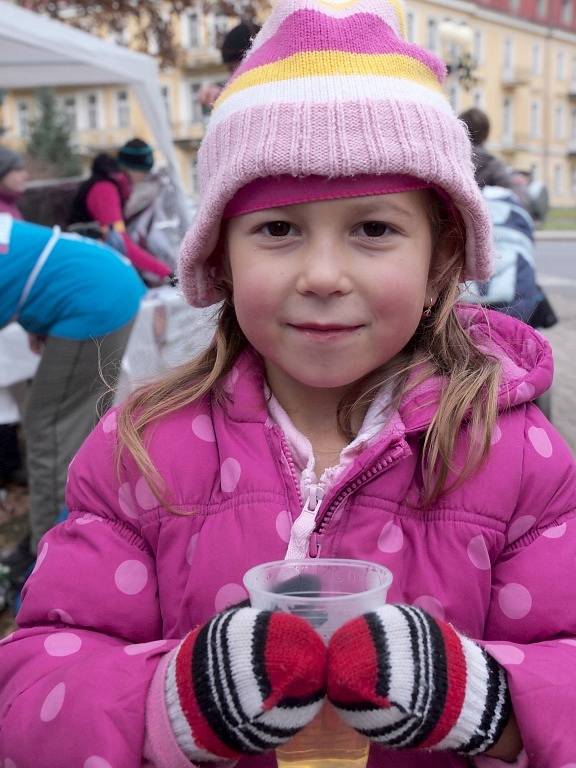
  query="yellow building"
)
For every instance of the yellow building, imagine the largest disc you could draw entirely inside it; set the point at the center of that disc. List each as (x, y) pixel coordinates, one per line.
(526, 83)
(525, 79)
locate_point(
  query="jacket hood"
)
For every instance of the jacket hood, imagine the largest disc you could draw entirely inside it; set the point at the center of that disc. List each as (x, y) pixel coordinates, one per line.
(524, 354)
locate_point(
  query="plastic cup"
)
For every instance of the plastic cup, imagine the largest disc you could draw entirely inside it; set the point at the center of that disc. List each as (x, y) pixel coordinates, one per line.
(327, 593)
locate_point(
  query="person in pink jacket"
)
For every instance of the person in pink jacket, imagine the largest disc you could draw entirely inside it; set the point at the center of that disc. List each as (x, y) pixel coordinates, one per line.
(348, 407)
(101, 199)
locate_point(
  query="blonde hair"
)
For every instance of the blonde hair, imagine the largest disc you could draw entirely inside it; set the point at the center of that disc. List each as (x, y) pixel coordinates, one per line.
(440, 347)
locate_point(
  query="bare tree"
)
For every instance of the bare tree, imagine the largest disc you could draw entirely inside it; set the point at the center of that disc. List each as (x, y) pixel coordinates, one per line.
(149, 23)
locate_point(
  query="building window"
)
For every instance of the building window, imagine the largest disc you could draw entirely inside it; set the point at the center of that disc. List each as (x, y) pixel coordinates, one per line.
(507, 125)
(122, 109)
(559, 121)
(410, 26)
(166, 98)
(478, 49)
(70, 109)
(453, 97)
(92, 112)
(23, 119)
(542, 8)
(194, 186)
(573, 125)
(567, 12)
(535, 120)
(536, 59)
(432, 37)
(560, 65)
(218, 27)
(558, 179)
(508, 55)
(195, 109)
(192, 32)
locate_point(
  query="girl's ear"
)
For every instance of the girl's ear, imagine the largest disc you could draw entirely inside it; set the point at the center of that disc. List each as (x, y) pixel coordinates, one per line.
(219, 261)
(448, 244)
(448, 259)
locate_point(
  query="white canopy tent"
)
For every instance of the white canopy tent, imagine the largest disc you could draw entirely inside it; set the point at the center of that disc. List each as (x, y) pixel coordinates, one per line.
(36, 51)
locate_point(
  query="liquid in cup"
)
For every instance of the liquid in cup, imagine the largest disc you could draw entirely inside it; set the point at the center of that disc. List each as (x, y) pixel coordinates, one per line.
(327, 593)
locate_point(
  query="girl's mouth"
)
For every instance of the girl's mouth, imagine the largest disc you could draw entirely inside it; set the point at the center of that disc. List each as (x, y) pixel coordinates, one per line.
(324, 332)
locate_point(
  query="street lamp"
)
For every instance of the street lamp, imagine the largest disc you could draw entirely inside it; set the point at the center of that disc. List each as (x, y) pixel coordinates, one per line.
(457, 41)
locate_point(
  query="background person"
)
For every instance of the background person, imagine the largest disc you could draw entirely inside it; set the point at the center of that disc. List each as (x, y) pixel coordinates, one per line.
(234, 46)
(347, 407)
(13, 178)
(100, 201)
(513, 287)
(489, 170)
(77, 298)
(156, 212)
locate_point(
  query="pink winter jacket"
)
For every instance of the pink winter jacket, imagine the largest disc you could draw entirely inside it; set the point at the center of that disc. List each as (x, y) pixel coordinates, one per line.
(122, 580)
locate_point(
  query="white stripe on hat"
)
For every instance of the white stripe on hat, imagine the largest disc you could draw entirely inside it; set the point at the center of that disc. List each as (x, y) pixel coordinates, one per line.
(350, 88)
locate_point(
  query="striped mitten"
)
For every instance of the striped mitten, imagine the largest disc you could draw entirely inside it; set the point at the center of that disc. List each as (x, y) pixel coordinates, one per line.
(404, 679)
(244, 683)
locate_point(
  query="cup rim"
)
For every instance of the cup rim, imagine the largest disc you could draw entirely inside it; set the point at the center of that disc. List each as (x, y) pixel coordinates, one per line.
(387, 573)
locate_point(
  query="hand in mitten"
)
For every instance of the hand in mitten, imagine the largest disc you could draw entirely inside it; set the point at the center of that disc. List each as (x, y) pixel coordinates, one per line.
(404, 679)
(244, 683)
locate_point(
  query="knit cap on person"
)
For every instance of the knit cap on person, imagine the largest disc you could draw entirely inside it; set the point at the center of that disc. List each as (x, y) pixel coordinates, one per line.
(331, 89)
(136, 155)
(9, 161)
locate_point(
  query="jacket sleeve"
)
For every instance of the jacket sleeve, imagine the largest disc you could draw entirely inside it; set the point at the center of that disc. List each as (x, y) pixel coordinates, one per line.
(531, 625)
(74, 677)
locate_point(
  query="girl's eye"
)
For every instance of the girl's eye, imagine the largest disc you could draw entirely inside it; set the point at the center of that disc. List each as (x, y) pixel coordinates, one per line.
(277, 228)
(374, 229)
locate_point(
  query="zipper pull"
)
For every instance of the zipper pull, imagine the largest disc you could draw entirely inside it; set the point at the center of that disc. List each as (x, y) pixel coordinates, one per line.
(304, 525)
(316, 494)
(314, 545)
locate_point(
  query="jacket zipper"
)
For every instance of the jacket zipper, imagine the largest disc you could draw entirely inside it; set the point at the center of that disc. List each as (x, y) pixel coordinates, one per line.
(325, 518)
(290, 461)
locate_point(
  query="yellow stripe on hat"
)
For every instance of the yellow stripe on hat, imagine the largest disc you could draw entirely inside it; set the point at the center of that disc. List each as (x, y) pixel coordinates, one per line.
(325, 63)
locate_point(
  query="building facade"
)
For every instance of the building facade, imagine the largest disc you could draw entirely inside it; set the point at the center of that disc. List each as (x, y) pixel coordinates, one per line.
(103, 118)
(524, 69)
(520, 58)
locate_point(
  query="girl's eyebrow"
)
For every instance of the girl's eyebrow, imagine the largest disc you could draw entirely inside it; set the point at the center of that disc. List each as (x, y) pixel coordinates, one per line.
(381, 207)
(358, 206)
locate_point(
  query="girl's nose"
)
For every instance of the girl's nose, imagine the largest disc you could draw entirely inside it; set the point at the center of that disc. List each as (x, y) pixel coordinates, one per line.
(324, 271)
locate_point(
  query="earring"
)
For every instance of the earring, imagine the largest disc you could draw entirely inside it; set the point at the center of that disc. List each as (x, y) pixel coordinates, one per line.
(428, 311)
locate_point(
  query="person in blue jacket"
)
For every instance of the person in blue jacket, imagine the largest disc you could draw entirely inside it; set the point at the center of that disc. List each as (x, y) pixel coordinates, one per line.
(77, 299)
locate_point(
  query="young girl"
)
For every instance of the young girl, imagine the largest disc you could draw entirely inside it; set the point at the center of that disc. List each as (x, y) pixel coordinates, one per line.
(346, 408)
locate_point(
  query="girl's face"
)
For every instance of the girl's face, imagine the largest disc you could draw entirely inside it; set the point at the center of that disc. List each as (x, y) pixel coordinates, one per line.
(329, 291)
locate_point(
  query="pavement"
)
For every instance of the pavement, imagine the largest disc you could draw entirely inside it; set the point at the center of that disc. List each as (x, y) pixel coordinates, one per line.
(555, 234)
(563, 339)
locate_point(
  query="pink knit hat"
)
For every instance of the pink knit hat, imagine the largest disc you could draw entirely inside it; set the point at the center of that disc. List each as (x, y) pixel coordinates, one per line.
(331, 88)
